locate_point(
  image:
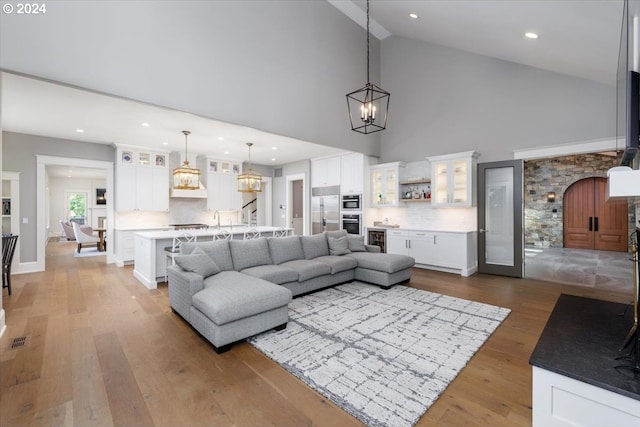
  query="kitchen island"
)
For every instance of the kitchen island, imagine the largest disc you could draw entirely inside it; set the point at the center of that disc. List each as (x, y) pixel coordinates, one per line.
(150, 260)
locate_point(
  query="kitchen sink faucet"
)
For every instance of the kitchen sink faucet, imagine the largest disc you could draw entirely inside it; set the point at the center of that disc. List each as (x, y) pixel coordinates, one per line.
(216, 215)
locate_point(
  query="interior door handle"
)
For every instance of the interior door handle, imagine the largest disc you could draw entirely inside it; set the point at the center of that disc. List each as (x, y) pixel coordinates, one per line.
(590, 223)
(595, 224)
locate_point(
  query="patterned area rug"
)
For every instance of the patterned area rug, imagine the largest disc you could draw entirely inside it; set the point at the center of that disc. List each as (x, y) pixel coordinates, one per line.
(384, 356)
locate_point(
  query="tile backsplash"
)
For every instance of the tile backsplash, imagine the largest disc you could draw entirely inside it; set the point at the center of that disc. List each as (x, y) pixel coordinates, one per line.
(181, 211)
(425, 217)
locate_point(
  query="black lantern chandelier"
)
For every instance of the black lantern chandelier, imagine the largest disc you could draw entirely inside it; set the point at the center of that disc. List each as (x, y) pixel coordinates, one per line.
(368, 106)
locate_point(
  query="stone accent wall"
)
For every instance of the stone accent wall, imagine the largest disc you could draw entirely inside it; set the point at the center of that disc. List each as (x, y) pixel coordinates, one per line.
(542, 225)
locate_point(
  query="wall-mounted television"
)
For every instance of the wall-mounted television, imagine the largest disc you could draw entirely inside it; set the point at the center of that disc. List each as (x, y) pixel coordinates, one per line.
(628, 84)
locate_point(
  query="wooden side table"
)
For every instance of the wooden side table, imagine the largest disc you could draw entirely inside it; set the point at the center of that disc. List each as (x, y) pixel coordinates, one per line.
(101, 244)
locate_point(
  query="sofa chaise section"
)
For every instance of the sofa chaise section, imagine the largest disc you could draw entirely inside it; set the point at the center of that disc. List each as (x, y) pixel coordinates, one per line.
(234, 306)
(224, 305)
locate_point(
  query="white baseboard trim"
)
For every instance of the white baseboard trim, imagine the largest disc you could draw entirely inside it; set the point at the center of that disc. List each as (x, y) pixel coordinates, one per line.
(26, 267)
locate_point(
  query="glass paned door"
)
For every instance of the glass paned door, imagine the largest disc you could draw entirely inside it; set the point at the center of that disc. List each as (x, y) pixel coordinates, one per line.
(77, 207)
(500, 218)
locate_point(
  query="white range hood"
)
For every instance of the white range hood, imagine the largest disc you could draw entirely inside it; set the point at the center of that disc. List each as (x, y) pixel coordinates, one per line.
(200, 193)
(623, 182)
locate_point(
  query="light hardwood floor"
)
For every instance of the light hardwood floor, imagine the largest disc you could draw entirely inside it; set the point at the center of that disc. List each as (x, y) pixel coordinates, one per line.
(102, 350)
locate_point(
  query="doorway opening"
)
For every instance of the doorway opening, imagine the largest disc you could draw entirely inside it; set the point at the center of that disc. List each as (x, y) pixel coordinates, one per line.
(551, 222)
(592, 222)
(44, 202)
(297, 204)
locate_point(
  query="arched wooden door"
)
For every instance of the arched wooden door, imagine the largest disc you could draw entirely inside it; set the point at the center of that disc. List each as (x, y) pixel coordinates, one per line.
(590, 222)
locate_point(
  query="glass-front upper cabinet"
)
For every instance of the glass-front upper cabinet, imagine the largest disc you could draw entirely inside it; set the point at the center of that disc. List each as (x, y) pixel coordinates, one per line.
(385, 184)
(452, 179)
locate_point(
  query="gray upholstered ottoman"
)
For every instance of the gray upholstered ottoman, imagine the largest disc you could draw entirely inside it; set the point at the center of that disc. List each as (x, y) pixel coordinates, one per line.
(234, 306)
(385, 270)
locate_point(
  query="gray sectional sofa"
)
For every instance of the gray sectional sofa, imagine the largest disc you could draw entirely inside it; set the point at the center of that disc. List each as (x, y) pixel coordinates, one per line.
(231, 290)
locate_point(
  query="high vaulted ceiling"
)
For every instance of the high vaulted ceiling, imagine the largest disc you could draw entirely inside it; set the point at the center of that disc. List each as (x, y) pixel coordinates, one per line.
(577, 37)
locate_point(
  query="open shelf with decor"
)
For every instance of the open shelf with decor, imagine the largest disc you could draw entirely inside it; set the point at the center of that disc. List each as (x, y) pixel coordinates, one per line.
(415, 191)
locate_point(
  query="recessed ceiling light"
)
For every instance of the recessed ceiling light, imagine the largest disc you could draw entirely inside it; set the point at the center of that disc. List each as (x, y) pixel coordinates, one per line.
(220, 138)
(531, 35)
(80, 130)
(70, 171)
(145, 124)
(226, 152)
(68, 176)
(165, 143)
(274, 148)
(273, 159)
(413, 15)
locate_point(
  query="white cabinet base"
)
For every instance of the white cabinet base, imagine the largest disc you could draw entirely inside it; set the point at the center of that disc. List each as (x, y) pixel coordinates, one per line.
(560, 401)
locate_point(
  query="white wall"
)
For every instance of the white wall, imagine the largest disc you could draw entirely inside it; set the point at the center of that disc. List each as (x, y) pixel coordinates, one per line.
(279, 66)
(447, 101)
(58, 189)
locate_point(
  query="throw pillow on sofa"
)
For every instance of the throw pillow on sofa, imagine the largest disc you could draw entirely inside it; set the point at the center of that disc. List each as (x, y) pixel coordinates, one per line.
(249, 253)
(285, 249)
(356, 243)
(314, 246)
(198, 262)
(338, 245)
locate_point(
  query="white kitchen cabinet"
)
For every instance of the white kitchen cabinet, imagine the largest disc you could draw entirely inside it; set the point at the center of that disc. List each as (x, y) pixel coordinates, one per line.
(352, 173)
(397, 242)
(422, 247)
(222, 189)
(561, 401)
(451, 250)
(418, 244)
(452, 180)
(160, 193)
(385, 187)
(141, 180)
(124, 249)
(325, 172)
(220, 177)
(447, 251)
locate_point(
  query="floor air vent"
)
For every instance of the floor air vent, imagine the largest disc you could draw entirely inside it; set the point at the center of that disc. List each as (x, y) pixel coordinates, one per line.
(18, 342)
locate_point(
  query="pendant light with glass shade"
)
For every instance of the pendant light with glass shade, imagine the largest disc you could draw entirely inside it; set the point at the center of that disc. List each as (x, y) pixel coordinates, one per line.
(369, 105)
(249, 182)
(185, 177)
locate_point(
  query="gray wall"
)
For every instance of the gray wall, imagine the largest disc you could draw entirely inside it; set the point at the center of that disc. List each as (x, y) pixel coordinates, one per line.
(19, 155)
(278, 66)
(445, 101)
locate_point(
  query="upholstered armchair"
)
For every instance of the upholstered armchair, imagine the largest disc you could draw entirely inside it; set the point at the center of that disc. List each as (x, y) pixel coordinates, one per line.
(82, 238)
(67, 230)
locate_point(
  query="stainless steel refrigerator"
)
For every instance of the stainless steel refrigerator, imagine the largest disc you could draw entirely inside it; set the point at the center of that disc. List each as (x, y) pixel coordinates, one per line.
(325, 209)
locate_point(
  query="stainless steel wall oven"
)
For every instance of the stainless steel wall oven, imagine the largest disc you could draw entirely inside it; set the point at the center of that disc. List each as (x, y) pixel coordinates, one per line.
(352, 222)
(352, 202)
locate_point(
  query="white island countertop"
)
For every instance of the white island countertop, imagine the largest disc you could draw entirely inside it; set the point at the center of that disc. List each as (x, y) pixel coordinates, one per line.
(203, 232)
(150, 259)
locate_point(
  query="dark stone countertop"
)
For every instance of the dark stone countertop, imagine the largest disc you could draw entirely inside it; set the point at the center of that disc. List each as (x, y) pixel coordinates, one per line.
(581, 340)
